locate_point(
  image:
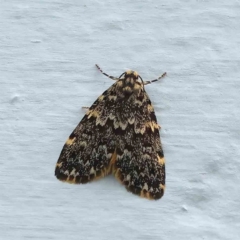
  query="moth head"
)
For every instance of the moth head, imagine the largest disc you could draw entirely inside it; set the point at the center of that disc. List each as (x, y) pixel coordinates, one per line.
(131, 77)
(130, 82)
(131, 74)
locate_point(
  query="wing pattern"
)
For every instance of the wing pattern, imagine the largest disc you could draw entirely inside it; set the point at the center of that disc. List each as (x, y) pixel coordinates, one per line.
(120, 135)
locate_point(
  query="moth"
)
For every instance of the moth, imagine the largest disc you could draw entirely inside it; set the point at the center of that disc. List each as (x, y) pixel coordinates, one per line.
(118, 135)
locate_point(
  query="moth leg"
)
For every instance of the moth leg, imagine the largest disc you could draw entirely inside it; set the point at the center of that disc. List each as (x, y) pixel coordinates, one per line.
(155, 80)
(85, 109)
(113, 78)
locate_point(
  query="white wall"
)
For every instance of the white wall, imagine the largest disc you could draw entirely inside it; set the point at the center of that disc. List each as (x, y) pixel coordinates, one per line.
(48, 50)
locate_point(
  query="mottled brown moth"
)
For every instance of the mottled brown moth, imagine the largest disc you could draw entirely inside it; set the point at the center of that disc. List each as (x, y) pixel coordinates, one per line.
(119, 134)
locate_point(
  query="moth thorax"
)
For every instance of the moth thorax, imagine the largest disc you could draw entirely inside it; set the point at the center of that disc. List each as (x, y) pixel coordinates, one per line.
(130, 82)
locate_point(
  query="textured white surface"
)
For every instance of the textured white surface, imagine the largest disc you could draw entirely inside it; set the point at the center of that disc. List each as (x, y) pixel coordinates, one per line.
(47, 54)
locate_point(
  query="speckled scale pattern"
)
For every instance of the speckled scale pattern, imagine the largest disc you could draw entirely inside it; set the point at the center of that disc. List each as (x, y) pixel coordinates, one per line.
(118, 135)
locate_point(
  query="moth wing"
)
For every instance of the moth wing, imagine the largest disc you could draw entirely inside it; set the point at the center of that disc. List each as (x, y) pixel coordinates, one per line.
(140, 163)
(88, 151)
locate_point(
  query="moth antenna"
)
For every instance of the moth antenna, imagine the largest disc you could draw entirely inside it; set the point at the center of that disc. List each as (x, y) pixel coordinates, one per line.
(113, 78)
(155, 80)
